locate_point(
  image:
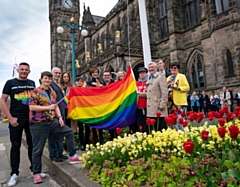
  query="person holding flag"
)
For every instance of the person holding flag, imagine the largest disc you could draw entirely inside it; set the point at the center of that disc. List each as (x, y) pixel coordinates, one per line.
(45, 121)
(95, 82)
(83, 137)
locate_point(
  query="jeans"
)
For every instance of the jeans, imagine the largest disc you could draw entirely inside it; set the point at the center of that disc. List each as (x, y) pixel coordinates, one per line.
(178, 126)
(40, 132)
(55, 145)
(16, 139)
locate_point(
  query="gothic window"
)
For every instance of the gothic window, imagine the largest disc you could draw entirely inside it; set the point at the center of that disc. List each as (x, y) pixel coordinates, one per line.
(162, 8)
(197, 73)
(238, 2)
(221, 5)
(192, 12)
(230, 63)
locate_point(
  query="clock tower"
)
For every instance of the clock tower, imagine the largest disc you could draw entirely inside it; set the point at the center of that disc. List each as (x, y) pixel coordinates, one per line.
(61, 11)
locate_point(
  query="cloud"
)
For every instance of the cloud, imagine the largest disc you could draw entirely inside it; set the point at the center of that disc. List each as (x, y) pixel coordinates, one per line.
(25, 34)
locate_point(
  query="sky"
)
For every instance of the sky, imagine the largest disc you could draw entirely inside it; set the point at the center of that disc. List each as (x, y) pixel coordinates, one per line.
(25, 34)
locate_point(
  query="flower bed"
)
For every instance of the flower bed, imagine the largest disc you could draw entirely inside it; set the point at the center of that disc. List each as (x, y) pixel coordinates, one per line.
(205, 155)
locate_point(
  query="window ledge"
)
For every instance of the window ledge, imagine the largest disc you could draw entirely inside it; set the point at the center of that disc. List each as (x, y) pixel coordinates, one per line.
(230, 76)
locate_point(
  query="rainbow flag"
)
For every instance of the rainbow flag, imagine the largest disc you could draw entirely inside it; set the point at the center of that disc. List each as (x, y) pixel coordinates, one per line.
(64, 102)
(84, 84)
(106, 107)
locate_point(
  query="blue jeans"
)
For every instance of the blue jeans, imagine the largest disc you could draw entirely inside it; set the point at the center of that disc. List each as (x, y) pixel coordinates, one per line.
(178, 126)
(40, 132)
(55, 145)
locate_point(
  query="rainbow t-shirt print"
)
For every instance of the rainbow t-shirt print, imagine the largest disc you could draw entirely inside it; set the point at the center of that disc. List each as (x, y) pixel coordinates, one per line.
(23, 96)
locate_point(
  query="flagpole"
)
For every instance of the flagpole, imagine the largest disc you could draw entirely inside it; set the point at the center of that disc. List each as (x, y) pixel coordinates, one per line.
(144, 32)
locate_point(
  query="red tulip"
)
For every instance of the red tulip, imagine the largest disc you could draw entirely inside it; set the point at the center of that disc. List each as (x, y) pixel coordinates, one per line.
(191, 117)
(158, 114)
(148, 121)
(222, 131)
(152, 122)
(230, 117)
(188, 146)
(118, 130)
(180, 120)
(221, 112)
(237, 108)
(221, 122)
(201, 115)
(140, 127)
(234, 131)
(218, 115)
(199, 120)
(210, 116)
(205, 135)
(169, 120)
(184, 123)
(183, 114)
(225, 108)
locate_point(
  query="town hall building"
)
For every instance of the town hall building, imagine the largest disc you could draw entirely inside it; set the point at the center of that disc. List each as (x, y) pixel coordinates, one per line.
(203, 35)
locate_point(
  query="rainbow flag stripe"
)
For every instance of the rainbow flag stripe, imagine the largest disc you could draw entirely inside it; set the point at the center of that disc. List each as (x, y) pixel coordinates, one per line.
(105, 107)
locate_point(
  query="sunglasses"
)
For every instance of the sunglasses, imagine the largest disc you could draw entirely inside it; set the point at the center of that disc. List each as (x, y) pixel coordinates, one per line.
(174, 67)
(106, 75)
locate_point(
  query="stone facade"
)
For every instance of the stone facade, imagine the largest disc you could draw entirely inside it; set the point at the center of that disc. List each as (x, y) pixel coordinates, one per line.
(61, 43)
(202, 35)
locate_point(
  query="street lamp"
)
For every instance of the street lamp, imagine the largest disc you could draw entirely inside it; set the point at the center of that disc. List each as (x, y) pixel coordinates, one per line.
(72, 27)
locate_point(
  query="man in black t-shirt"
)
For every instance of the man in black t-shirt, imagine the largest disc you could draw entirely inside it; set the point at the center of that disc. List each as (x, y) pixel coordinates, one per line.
(19, 90)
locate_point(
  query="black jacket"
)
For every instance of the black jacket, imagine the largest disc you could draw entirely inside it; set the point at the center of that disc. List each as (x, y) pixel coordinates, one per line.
(92, 82)
(60, 95)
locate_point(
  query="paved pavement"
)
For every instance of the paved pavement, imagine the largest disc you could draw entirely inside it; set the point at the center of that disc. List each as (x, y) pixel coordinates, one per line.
(24, 179)
(60, 174)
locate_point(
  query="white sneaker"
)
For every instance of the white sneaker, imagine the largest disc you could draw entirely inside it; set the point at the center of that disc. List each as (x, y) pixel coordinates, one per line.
(13, 180)
(43, 175)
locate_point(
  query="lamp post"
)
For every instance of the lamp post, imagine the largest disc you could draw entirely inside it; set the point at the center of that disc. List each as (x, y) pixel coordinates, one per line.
(72, 27)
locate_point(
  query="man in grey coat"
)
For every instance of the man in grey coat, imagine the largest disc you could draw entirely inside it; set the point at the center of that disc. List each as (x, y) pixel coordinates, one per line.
(157, 96)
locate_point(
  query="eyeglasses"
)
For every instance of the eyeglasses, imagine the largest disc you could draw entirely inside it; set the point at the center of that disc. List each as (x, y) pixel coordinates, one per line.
(174, 67)
(106, 75)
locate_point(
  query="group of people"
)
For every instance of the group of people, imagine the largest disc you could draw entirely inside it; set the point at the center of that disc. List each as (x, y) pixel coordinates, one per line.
(36, 111)
(200, 101)
(40, 113)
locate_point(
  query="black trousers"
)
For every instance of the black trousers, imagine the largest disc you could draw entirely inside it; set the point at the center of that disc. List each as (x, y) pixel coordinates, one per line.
(95, 135)
(83, 133)
(16, 139)
(141, 119)
(162, 124)
(112, 134)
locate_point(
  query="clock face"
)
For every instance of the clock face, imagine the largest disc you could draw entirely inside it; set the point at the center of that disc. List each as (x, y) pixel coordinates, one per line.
(67, 3)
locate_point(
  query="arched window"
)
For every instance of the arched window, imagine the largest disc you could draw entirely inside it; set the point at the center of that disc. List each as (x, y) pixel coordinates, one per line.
(192, 12)
(230, 63)
(162, 9)
(221, 5)
(197, 72)
(167, 65)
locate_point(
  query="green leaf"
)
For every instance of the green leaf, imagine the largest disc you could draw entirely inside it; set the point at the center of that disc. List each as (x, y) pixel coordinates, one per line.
(224, 176)
(130, 177)
(234, 173)
(142, 178)
(237, 164)
(228, 164)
